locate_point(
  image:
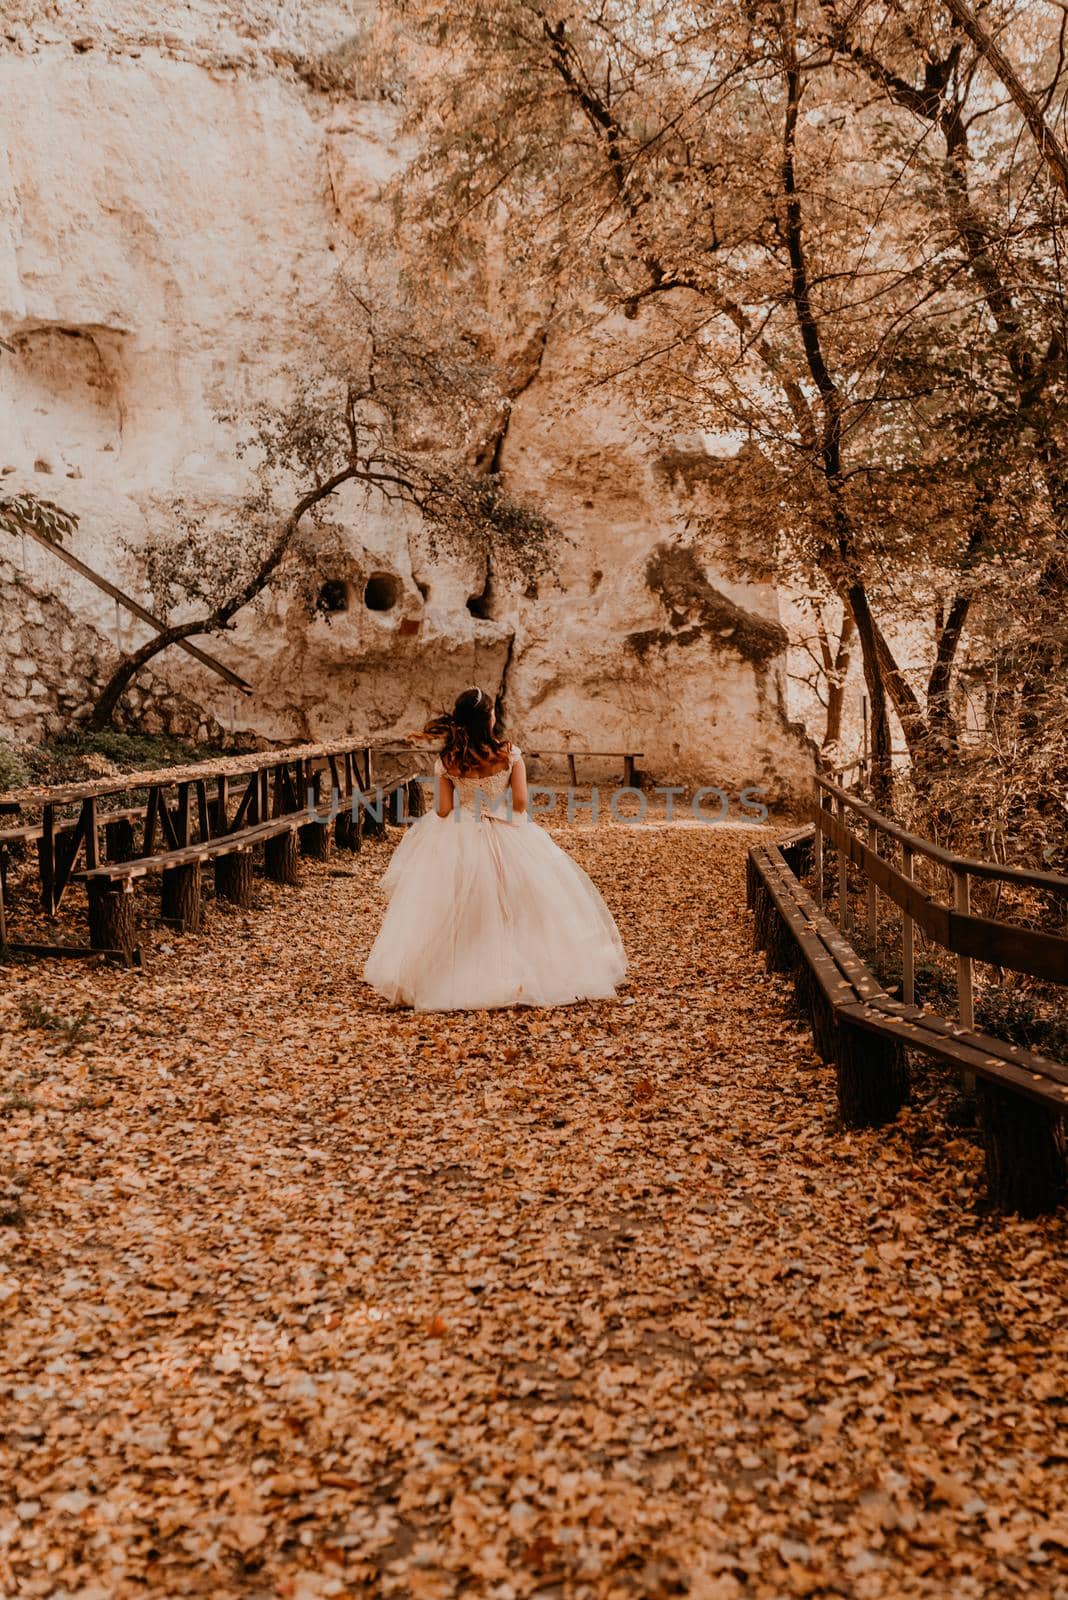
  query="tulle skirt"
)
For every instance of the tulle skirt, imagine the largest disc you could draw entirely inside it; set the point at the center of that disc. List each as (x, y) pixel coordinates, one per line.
(485, 912)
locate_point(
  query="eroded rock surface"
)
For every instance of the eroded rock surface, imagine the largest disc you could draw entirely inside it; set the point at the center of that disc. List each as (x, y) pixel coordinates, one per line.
(177, 193)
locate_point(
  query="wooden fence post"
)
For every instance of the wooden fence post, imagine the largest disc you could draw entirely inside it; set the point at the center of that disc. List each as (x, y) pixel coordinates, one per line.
(817, 849)
(873, 894)
(962, 902)
(843, 874)
(908, 954)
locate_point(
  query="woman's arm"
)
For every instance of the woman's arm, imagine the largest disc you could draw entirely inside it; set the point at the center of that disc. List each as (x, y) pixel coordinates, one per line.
(519, 787)
(443, 795)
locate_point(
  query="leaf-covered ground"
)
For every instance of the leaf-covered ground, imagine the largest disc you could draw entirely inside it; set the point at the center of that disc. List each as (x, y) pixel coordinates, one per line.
(300, 1297)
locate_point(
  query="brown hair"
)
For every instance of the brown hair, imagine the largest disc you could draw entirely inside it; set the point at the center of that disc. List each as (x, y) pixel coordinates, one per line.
(466, 732)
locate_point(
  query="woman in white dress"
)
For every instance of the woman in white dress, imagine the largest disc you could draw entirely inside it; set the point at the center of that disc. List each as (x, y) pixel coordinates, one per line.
(485, 909)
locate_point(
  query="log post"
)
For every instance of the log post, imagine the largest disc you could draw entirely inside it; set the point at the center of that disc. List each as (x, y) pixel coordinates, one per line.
(781, 953)
(233, 878)
(316, 841)
(761, 909)
(180, 901)
(346, 828)
(280, 858)
(1024, 1145)
(416, 798)
(372, 822)
(111, 915)
(872, 1076)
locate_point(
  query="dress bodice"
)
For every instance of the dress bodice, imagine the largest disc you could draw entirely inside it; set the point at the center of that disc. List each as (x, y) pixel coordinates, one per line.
(481, 792)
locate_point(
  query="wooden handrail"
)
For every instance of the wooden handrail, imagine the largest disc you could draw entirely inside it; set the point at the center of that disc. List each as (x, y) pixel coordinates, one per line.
(1055, 881)
(954, 926)
(219, 766)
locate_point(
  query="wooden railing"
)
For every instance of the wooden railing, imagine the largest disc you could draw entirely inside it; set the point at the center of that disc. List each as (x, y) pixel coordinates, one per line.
(951, 925)
(869, 1034)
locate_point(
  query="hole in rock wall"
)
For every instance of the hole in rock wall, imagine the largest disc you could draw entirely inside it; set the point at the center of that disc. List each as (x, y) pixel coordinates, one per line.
(333, 597)
(63, 390)
(382, 591)
(481, 605)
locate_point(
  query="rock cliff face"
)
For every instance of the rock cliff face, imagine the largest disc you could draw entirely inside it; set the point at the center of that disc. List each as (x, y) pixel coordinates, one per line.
(175, 192)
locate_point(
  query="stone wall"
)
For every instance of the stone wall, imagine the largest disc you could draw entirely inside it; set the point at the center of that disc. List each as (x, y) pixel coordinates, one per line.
(52, 664)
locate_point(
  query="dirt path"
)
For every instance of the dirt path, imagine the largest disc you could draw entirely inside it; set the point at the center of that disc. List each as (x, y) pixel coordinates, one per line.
(303, 1298)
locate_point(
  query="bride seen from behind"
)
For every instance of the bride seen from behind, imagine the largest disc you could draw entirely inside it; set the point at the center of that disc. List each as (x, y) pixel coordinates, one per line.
(485, 909)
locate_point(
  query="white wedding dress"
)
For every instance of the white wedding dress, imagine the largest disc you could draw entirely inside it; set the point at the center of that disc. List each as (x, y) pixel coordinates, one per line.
(486, 910)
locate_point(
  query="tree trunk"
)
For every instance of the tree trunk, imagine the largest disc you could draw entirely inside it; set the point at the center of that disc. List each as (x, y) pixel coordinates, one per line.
(280, 858)
(881, 749)
(836, 681)
(180, 900)
(1025, 1152)
(111, 916)
(233, 878)
(128, 669)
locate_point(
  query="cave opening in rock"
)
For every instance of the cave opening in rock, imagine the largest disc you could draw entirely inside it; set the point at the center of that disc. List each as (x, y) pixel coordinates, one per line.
(382, 591)
(481, 605)
(333, 597)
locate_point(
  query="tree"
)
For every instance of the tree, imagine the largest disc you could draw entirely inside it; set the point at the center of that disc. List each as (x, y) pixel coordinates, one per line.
(358, 414)
(788, 259)
(28, 513)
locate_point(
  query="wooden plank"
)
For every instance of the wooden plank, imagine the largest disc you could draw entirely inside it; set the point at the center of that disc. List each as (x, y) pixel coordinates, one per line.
(246, 807)
(31, 831)
(91, 831)
(852, 967)
(1002, 944)
(150, 821)
(1031, 1060)
(208, 850)
(962, 904)
(182, 815)
(47, 859)
(1041, 955)
(988, 1064)
(230, 766)
(65, 854)
(203, 810)
(167, 824)
(128, 958)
